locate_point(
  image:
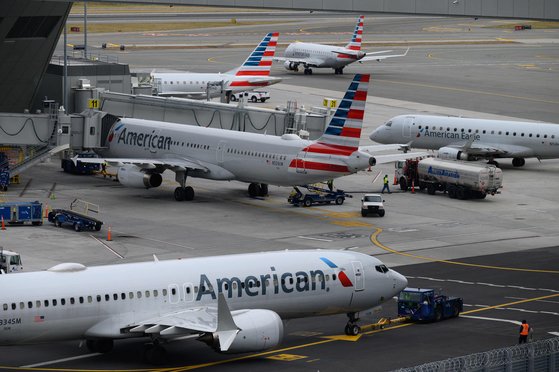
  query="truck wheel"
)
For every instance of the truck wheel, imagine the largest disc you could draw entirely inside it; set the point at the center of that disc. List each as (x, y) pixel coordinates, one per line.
(431, 189)
(403, 184)
(438, 313)
(456, 311)
(233, 98)
(262, 100)
(452, 192)
(254, 99)
(381, 213)
(77, 227)
(339, 200)
(97, 226)
(363, 213)
(307, 202)
(57, 223)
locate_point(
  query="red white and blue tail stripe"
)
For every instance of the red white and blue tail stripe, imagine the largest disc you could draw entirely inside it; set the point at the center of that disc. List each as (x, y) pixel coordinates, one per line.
(355, 43)
(344, 130)
(259, 62)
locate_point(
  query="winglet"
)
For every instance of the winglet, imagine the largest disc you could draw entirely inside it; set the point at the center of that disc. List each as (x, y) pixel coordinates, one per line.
(155, 259)
(226, 328)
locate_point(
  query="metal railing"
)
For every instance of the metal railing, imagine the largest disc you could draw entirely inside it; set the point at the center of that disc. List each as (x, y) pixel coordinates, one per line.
(538, 356)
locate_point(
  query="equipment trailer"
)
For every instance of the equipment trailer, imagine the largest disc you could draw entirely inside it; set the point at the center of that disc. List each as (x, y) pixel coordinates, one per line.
(79, 221)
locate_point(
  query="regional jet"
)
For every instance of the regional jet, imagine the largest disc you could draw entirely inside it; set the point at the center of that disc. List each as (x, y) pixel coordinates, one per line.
(143, 149)
(472, 139)
(253, 73)
(311, 55)
(234, 303)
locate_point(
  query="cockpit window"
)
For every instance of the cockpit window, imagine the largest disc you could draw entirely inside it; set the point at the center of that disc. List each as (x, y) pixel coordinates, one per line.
(381, 269)
(388, 124)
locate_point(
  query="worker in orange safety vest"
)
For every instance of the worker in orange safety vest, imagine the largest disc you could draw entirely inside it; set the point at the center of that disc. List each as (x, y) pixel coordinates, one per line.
(524, 332)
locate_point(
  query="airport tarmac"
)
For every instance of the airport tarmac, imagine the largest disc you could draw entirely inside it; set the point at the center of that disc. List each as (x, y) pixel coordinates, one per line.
(499, 254)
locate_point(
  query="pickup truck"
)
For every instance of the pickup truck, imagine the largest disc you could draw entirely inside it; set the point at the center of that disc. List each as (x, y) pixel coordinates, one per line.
(372, 204)
(254, 96)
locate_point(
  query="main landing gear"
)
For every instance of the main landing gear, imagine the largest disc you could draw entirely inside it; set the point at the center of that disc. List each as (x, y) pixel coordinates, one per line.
(339, 71)
(183, 192)
(257, 189)
(307, 71)
(351, 328)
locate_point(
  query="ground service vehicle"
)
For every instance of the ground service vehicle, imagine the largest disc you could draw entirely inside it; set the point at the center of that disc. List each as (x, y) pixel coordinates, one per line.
(80, 220)
(80, 167)
(422, 304)
(372, 204)
(460, 180)
(316, 195)
(253, 96)
(9, 261)
(21, 212)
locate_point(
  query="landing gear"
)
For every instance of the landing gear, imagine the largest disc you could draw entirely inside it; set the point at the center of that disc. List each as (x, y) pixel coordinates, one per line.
(518, 162)
(257, 189)
(308, 71)
(154, 353)
(351, 328)
(183, 192)
(99, 346)
(339, 71)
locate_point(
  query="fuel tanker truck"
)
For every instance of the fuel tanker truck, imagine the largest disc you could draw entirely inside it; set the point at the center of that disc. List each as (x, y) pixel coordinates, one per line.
(460, 180)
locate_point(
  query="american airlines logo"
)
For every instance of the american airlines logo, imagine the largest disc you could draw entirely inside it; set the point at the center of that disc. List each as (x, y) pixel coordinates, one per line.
(445, 134)
(139, 139)
(443, 172)
(254, 285)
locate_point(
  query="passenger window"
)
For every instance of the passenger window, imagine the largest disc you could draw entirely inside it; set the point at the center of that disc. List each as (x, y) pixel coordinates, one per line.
(53, 302)
(30, 304)
(333, 276)
(107, 297)
(37, 304)
(139, 294)
(46, 303)
(123, 296)
(164, 292)
(62, 302)
(173, 291)
(13, 306)
(72, 301)
(89, 299)
(22, 305)
(98, 298)
(5, 306)
(147, 294)
(131, 295)
(115, 296)
(155, 293)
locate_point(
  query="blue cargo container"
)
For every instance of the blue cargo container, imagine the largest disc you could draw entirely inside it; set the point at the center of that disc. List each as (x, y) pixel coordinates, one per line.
(21, 212)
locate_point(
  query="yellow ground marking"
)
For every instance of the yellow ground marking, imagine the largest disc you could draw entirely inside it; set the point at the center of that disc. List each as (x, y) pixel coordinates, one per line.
(287, 357)
(375, 241)
(468, 91)
(350, 223)
(510, 303)
(343, 338)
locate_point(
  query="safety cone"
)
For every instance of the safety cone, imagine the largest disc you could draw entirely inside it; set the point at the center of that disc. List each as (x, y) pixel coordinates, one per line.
(46, 214)
(369, 170)
(52, 197)
(395, 180)
(109, 238)
(3, 224)
(412, 187)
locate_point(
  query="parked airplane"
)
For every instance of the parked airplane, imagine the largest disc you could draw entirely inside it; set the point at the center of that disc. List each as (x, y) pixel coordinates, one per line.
(144, 149)
(473, 139)
(235, 303)
(315, 55)
(253, 73)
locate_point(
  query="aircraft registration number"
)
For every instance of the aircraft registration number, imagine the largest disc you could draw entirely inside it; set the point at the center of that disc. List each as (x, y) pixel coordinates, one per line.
(10, 321)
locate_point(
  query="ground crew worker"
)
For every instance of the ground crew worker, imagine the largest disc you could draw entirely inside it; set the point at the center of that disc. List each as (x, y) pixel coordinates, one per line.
(524, 332)
(385, 185)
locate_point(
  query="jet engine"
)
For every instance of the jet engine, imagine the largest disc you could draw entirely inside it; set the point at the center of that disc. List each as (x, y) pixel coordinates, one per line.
(452, 153)
(260, 330)
(290, 66)
(131, 176)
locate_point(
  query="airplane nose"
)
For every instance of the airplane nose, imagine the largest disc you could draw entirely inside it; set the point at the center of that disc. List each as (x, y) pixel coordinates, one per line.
(401, 281)
(374, 135)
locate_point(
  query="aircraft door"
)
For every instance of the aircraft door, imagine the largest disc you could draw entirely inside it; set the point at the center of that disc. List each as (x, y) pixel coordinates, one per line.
(359, 275)
(174, 296)
(188, 292)
(158, 86)
(221, 148)
(300, 162)
(406, 128)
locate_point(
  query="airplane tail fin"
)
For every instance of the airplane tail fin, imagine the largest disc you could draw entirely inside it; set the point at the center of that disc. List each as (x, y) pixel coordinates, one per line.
(344, 130)
(259, 62)
(355, 43)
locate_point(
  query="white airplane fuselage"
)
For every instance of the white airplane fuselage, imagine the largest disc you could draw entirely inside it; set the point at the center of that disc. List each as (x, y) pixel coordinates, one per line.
(231, 155)
(98, 302)
(325, 56)
(196, 84)
(515, 139)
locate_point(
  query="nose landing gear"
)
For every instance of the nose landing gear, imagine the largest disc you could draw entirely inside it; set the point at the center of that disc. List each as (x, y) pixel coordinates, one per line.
(351, 328)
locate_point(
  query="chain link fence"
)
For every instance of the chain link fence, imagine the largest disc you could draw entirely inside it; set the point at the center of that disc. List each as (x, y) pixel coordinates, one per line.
(538, 356)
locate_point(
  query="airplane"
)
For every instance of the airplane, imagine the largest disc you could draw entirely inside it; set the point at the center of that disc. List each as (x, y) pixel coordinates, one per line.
(234, 303)
(472, 139)
(143, 149)
(252, 74)
(311, 55)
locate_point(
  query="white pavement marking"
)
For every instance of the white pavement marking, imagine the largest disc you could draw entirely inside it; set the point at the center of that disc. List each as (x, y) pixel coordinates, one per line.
(519, 287)
(60, 360)
(432, 279)
(491, 285)
(107, 247)
(459, 281)
(321, 240)
(492, 319)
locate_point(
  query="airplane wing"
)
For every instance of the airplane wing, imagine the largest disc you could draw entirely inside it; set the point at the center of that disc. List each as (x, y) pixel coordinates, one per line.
(165, 163)
(389, 158)
(371, 149)
(375, 57)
